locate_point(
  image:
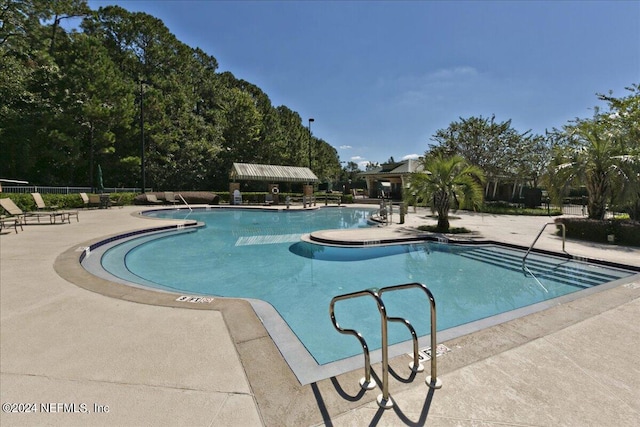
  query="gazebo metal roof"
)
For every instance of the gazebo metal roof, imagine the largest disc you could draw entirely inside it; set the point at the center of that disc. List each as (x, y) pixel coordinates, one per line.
(275, 173)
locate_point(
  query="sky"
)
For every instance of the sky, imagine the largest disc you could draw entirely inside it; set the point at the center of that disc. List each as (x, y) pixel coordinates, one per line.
(379, 78)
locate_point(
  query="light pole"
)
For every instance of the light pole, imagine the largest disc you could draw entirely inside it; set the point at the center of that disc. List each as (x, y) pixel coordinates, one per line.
(310, 120)
(142, 160)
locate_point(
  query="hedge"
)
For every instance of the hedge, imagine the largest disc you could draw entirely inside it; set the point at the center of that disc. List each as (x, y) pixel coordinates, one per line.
(63, 201)
(191, 197)
(625, 232)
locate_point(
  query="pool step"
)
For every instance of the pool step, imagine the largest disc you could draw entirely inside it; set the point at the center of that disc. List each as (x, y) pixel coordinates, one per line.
(540, 268)
(544, 268)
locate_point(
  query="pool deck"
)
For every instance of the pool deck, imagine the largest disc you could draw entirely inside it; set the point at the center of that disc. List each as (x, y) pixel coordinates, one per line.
(94, 354)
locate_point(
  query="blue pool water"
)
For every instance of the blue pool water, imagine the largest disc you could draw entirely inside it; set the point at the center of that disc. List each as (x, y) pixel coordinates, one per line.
(259, 255)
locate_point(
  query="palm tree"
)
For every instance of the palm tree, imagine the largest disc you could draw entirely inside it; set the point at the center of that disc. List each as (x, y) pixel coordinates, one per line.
(447, 182)
(601, 163)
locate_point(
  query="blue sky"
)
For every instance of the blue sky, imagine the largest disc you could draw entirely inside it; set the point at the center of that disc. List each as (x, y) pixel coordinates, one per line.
(380, 78)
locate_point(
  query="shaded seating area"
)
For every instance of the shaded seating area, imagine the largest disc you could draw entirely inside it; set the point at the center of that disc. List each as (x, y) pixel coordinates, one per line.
(9, 206)
(42, 207)
(275, 175)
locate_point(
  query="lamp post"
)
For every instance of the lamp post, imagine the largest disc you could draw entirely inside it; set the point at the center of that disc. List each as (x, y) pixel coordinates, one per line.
(310, 120)
(142, 159)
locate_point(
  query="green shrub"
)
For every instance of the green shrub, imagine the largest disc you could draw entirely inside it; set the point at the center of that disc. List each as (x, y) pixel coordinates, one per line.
(124, 199)
(625, 232)
(503, 208)
(63, 201)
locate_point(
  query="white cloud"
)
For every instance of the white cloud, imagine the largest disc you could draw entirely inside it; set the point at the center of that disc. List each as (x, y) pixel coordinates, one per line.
(356, 158)
(345, 147)
(438, 86)
(411, 156)
(452, 73)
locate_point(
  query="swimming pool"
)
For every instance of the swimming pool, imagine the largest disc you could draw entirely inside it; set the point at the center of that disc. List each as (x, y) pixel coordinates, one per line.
(258, 255)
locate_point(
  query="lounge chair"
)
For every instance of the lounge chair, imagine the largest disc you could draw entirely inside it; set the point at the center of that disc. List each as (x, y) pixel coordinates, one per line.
(10, 220)
(91, 200)
(37, 197)
(40, 203)
(152, 199)
(268, 199)
(117, 202)
(9, 206)
(170, 197)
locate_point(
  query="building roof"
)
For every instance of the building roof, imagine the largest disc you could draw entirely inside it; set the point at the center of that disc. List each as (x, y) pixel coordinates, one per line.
(274, 173)
(401, 168)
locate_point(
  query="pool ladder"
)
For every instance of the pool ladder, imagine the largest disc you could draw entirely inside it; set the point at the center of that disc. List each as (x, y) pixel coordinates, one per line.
(384, 400)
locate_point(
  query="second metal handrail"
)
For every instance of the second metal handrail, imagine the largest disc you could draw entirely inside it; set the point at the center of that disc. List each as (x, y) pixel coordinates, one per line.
(431, 380)
(384, 400)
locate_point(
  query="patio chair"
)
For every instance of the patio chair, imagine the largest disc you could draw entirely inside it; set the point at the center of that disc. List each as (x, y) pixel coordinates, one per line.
(9, 206)
(152, 199)
(37, 197)
(268, 199)
(170, 197)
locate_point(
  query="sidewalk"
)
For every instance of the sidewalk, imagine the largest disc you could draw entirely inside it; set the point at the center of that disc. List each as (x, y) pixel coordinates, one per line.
(98, 360)
(105, 361)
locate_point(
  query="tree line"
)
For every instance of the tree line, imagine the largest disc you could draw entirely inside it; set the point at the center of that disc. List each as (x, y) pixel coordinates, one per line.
(73, 99)
(600, 154)
(119, 87)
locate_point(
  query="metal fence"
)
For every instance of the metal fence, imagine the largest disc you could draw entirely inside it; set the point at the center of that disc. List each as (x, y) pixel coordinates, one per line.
(579, 210)
(22, 189)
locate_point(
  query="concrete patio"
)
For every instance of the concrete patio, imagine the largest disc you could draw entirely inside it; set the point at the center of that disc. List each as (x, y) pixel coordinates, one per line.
(78, 351)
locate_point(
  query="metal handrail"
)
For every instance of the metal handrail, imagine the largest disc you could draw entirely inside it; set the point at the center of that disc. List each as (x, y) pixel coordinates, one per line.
(185, 202)
(524, 258)
(366, 382)
(384, 400)
(564, 233)
(431, 380)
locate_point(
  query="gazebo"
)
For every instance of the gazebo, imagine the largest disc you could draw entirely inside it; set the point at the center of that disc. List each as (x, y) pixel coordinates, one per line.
(391, 178)
(273, 174)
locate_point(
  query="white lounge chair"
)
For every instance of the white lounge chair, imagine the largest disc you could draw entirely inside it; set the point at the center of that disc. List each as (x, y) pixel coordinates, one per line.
(170, 197)
(152, 199)
(9, 206)
(37, 197)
